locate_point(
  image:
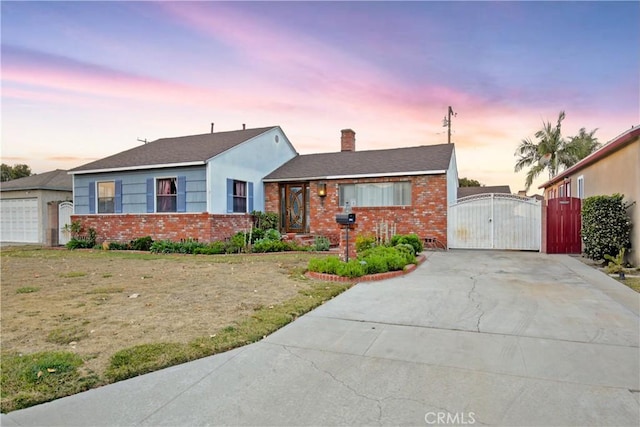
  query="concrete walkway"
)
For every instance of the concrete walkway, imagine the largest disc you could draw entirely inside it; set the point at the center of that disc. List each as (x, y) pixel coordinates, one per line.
(470, 337)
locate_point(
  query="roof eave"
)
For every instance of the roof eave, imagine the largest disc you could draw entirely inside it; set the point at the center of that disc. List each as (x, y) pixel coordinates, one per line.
(357, 176)
(131, 168)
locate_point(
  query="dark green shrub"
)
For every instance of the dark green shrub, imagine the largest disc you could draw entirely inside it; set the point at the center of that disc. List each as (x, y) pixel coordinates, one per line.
(411, 239)
(119, 246)
(141, 243)
(606, 227)
(265, 220)
(407, 251)
(214, 248)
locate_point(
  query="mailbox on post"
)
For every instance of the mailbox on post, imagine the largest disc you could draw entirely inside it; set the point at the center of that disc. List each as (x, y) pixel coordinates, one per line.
(346, 219)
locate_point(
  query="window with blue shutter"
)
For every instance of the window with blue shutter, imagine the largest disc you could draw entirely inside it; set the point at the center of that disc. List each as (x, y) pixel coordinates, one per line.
(182, 194)
(250, 195)
(92, 197)
(237, 195)
(150, 195)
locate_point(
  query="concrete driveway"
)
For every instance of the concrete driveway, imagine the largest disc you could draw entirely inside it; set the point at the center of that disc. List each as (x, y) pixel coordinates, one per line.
(470, 337)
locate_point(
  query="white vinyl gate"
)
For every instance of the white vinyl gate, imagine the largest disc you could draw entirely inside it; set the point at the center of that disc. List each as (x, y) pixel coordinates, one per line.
(65, 210)
(495, 221)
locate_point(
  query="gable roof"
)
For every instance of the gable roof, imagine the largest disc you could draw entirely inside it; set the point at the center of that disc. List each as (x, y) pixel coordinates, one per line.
(57, 180)
(422, 160)
(472, 191)
(615, 144)
(178, 151)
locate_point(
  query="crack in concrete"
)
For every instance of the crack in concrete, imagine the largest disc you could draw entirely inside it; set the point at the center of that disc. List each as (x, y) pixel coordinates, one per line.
(378, 402)
(471, 297)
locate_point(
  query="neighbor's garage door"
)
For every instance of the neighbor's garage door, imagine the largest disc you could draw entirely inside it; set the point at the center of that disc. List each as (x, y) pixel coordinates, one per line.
(19, 220)
(495, 221)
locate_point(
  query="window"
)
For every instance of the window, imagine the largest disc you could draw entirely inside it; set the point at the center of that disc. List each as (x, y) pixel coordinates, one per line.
(561, 191)
(376, 194)
(166, 195)
(581, 187)
(106, 197)
(239, 196)
(567, 191)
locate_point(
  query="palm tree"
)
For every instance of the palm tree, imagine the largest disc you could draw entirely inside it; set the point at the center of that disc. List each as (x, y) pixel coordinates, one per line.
(550, 152)
(583, 144)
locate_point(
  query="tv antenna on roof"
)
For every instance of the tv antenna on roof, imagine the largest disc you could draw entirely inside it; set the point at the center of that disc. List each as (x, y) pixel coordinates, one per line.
(143, 140)
(446, 123)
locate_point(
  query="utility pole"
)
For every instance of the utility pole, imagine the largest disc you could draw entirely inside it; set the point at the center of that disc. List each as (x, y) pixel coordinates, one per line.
(446, 122)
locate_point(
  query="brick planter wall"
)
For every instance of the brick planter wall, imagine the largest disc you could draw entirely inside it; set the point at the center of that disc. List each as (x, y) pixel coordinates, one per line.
(201, 226)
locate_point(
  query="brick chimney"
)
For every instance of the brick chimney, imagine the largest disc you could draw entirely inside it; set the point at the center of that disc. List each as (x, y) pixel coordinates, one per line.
(348, 140)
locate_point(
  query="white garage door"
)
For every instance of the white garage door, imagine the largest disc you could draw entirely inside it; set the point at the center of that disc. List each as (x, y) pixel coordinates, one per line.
(19, 220)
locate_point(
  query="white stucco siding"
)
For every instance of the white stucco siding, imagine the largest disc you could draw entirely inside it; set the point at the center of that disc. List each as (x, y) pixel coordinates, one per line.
(250, 161)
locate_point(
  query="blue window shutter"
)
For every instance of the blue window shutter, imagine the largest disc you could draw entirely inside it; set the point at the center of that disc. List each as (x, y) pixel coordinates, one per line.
(182, 194)
(229, 195)
(92, 197)
(250, 195)
(150, 194)
(118, 198)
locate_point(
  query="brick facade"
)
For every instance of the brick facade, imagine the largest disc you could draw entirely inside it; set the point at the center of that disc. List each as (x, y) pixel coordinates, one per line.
(175, 227)
(426, 217)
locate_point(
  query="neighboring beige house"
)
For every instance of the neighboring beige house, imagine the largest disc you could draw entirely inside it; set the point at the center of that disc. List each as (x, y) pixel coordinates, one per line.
(614, 168)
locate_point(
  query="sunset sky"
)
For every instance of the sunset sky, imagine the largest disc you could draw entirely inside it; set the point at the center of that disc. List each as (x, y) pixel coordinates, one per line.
(84, 80)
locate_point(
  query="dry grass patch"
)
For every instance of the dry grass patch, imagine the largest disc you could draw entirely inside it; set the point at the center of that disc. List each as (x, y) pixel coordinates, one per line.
(124, 300)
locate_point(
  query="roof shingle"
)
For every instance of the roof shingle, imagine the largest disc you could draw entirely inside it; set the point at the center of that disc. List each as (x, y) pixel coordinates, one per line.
(169, 151)
(472, 191)
(54, 180)
(395, 161)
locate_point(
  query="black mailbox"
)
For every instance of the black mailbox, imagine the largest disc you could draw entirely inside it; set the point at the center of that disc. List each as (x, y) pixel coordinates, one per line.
(346, 219)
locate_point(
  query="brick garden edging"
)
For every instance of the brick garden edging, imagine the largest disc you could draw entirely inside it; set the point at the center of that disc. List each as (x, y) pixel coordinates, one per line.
(369, 277)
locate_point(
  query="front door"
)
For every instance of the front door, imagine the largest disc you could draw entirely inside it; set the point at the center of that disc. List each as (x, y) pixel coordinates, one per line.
(294, 204)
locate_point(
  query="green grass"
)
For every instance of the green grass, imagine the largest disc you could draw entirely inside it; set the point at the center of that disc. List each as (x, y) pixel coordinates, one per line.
(145, 358)
(28, 380)
(632, 282)
(27, 290)
(106, 290)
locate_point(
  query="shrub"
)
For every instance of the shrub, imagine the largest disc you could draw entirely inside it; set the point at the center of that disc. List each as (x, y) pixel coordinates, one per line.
(606, 228)
(327, 265)
(141, 243)
(411, 239)
(265, 220)
(321, 243)
(364, 242)
(214, 248)
(375, 264)
(350, 269)
(272, 234)
(118, 246)
(268, 245)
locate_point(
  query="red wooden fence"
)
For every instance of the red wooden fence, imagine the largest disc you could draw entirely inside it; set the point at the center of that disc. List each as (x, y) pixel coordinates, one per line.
(563, 226)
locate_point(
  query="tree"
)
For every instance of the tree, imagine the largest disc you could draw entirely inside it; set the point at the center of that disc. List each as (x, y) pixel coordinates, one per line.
(467, 182)
(14, 172)
(552, 152)
(583, 144)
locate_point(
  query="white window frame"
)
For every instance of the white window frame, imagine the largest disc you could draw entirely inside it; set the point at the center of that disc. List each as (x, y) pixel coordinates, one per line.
(113, 198)
(580, 187)
(156, 194)
(372, 185)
